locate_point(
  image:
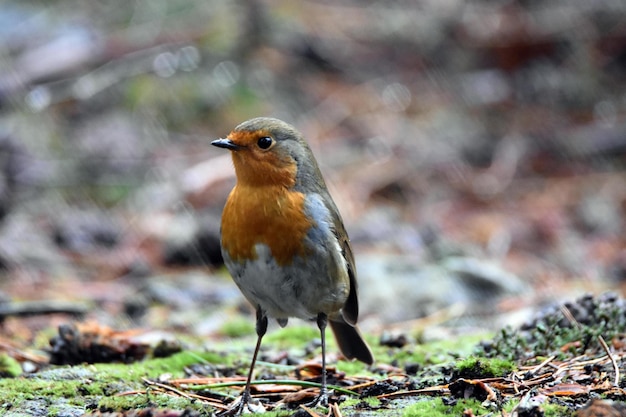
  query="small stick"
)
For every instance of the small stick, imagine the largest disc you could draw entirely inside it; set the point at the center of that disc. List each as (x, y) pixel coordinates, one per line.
(612, 358)
(185, 395)
(310, 411)
(541, 365)
(166, 387)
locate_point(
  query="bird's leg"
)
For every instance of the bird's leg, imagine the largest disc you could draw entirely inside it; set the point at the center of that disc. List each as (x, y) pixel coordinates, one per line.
(322, 398)
(322, 321)
(244, 401)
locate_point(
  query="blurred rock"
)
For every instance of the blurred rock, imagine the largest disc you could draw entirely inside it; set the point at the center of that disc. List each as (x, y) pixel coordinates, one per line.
(43, 48)
(604, 138)
(110, 145)
(393, 340)
(18, 170)
(382, 227)
(83, 231)
(65, 50)
(188, 290)
(400, 288)
(599, 214)
(136, 306)
(24, 244)
(199, 246)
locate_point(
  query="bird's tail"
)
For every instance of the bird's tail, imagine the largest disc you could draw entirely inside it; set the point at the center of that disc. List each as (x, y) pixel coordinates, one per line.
(350, 341)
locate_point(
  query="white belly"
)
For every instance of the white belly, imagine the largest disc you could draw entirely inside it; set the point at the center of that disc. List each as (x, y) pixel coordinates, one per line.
(298, 290)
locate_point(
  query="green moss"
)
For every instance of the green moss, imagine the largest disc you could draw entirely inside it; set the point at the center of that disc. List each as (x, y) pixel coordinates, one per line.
(9, 367)
(352, 367)
(293, 336)
(555, 410)
(101, 382)
(20, 389)
(436, 408)
(549, 409)
(372, 402)
(150, 399)
(421, 354)
(278, 413)
(431, 353)
(350, 402)
(402, 357)
(153, 368)
(238, 327)
(474, 367)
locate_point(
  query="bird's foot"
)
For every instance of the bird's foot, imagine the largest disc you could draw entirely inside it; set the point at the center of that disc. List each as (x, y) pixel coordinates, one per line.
(244, 404)
(320, 400)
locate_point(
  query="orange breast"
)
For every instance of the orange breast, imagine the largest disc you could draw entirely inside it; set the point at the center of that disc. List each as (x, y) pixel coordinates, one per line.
(271, 215)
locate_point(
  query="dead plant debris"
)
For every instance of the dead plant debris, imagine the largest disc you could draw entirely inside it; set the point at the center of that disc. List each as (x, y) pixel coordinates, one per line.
(569, 355)
(562, 329)
(92, 343)
(574, 380)
(146, 412)
(576, 366)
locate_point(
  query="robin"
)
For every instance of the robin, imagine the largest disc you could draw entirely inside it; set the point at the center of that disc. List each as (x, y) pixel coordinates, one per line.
(284, 243)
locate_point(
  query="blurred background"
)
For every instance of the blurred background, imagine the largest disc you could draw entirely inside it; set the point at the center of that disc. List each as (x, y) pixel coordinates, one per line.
(476, 150)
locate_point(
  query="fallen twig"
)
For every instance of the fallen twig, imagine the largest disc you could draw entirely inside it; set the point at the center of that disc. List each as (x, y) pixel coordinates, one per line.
(612, 359)
(287, 382)
(169, 389)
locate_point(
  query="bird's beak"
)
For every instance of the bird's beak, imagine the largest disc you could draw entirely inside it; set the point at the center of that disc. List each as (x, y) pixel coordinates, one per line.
(226, 144)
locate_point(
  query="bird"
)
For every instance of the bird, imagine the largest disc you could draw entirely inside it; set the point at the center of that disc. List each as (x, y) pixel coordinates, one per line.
(284, 242)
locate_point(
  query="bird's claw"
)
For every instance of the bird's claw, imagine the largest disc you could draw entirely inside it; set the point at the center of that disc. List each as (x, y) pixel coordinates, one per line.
(320, 400)
(243, 405)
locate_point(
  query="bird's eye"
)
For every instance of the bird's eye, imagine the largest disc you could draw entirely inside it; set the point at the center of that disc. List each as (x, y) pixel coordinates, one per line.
(264, 142)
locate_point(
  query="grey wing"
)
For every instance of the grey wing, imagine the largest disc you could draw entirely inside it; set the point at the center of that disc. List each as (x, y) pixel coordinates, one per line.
(350, 310)
(322, 209)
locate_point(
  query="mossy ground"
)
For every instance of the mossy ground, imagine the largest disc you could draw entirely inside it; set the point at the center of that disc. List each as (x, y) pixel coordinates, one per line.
(109, 387)
(475, 367)
(97, 386)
